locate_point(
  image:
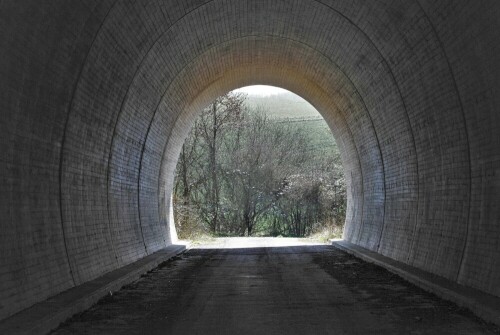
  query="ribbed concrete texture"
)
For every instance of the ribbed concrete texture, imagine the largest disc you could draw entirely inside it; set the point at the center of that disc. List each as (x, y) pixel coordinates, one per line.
(97, 97)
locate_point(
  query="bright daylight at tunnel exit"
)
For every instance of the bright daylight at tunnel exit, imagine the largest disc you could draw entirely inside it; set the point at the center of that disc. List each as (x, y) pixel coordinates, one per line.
(259, 161)
(249, 166)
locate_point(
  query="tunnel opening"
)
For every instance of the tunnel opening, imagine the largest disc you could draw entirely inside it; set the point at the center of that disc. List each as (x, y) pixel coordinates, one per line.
(259, 161)
(99, 96)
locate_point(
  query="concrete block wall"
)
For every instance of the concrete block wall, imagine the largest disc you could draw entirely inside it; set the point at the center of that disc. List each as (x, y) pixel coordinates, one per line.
(97, 98)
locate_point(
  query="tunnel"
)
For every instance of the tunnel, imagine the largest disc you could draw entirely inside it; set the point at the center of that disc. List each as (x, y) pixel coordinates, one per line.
(98, 97)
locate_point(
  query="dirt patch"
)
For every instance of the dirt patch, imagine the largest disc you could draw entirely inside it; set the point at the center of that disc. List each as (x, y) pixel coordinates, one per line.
(413, 309)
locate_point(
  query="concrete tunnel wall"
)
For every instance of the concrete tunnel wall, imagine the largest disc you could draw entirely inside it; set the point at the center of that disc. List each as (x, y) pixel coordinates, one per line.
(98, 96)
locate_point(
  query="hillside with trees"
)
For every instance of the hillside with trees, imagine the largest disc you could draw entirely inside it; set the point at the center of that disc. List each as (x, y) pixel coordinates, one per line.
(248, 170)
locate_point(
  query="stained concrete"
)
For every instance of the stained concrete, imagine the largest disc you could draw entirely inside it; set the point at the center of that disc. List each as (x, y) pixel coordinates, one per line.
(267, 287)
(483, 305)
(45, 316)
(97, 97)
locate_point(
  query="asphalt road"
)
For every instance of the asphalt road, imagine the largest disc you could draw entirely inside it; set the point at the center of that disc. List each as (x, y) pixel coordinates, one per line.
(271, 286)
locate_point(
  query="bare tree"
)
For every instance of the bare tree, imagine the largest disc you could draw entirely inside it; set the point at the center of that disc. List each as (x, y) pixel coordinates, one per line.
(263, 155)
(213, 124)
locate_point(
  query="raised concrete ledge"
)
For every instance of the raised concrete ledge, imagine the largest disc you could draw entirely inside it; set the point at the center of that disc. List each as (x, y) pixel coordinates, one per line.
(45, 316)
(481, 304)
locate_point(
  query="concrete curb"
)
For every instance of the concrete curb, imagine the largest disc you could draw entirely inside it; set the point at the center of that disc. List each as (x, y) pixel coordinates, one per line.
(45, 316)
(483, 305)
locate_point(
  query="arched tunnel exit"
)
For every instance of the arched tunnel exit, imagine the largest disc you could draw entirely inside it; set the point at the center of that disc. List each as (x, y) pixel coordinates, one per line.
(259, 161)
(97, 98)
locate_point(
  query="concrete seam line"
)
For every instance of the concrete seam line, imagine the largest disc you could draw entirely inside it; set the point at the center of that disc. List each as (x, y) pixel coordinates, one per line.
(63, 142)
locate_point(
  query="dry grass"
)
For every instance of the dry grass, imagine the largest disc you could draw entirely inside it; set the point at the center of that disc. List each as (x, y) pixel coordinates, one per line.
(327, 233)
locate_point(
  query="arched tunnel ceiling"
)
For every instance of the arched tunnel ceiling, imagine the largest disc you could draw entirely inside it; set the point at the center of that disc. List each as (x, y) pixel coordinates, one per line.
(98, 97)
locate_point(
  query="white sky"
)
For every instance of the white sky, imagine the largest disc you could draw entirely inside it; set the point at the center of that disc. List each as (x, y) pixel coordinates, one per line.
(261, 90)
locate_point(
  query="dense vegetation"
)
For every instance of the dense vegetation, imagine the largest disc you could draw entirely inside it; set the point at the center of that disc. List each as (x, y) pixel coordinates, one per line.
(246, 171)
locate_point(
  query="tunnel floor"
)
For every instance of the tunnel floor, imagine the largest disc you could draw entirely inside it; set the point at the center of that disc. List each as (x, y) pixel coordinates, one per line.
(271, 288)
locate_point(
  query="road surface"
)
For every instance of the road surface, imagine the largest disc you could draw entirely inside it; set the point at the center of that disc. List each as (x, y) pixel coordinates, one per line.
(272, 286)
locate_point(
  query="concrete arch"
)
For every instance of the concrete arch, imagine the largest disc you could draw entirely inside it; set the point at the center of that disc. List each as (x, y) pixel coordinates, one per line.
(98, 97)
